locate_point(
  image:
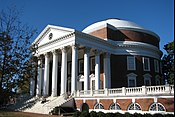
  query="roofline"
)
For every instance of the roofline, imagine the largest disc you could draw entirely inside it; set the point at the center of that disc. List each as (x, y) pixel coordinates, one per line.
(48, 27)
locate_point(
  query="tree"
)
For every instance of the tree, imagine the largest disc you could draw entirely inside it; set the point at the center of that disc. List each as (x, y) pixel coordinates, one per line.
(15, 39)
(168, 63)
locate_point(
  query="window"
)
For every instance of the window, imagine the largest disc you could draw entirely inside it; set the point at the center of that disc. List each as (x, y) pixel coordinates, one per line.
(114, 106)
(157, 80)
(156, 66)
(131, 63)
(156, 107)
(134, 106)
(81, 66)
(147, 79)
(69, 67)
(98, 106)
(92, 60)
(146, 64)
(131, 80)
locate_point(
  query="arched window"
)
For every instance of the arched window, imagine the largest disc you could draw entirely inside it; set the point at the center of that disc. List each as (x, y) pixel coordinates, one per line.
(114, 106)
(134, 106)
(147, 79)
(157, 80)
(98, 106)
(131, 80)
(157, 107)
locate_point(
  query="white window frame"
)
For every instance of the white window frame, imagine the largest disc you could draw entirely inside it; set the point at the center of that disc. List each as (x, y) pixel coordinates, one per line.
(147, 77)
(145, 58)
(157, 80)
(98, 106)
(135, 106)
(132, 76)
(157, 107)
(129, 67)
(156, 65)
(79, 68)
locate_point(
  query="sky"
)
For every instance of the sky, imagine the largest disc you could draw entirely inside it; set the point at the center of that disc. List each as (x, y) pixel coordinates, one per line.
(154, 15)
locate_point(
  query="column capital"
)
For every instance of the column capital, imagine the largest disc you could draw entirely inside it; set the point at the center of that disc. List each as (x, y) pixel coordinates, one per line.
(96, 52)
(87, 49)
(64, 49)
(47, 54)
(55, 52)
(107, 55)
(75, 46)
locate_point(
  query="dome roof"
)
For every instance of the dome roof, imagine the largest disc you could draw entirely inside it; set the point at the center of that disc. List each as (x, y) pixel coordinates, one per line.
(117, 24)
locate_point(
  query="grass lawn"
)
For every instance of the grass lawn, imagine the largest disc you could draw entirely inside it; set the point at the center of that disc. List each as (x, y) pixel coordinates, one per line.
(22, 114)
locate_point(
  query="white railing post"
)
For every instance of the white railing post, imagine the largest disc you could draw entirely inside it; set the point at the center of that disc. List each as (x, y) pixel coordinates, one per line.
(144, 91)
(167, 88)
(106, 91)
(91, 92)
(124, 90)
(78, 93)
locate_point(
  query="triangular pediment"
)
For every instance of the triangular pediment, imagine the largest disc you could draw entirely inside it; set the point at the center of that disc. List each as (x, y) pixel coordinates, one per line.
(51, 33)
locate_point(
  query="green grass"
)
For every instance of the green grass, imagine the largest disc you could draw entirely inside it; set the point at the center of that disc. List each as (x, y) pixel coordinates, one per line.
(11, 114)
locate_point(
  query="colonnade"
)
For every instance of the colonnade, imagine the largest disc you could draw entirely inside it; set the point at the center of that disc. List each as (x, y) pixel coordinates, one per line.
(56, 55)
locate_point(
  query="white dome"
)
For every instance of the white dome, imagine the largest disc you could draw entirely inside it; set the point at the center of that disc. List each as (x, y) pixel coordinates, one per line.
(117, 24)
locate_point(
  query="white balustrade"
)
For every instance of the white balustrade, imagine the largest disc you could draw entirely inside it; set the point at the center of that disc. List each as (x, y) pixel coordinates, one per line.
(144, 90)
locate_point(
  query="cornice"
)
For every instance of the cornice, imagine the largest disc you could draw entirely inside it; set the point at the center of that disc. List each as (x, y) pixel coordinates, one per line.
(58, 39)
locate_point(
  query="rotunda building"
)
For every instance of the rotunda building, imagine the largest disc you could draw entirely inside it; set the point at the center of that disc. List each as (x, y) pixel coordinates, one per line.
(136, 61)
(112, 65)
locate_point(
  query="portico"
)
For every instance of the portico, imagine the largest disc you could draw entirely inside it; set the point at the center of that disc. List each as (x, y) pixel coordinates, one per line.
(55, 76)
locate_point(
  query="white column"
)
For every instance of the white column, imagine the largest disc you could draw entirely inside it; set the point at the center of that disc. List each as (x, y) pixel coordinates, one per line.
(74, 69)
(63, 71)
(54, 73)
(39, 78)
(107, 71)
(86, 68)
(32, 86)
(97, 70)
(46, 75)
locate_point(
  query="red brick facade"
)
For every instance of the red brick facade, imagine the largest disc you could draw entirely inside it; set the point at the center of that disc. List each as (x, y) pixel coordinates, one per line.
(144, 103)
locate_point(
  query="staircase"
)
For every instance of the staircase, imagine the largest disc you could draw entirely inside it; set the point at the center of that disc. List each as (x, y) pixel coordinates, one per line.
(34, 104)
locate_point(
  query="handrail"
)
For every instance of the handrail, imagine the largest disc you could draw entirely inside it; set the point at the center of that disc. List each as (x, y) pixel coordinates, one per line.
(144, 90)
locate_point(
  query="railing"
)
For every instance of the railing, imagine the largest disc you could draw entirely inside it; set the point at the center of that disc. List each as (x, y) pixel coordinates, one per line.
(131, 91)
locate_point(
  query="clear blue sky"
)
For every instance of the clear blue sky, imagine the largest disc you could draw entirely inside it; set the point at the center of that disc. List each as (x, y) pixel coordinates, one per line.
(155, 15)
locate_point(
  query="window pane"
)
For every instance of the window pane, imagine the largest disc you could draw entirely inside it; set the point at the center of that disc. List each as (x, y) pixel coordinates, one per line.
(131, 63)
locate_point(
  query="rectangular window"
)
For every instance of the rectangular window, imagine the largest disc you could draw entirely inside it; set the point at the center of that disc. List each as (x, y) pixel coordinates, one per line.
(146, 64)
(69, 67)
(132, 83)
(131, 63)
(81, 66)
(92, 63)
(156, 66)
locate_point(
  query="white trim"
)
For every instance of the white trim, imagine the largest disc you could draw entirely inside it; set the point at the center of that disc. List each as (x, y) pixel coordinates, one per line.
(132, 76)
(143, 61)
(131, 59)
(156, 65)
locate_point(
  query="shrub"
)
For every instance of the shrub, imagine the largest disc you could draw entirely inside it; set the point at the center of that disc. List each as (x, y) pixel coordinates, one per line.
(169, 115)
(158, 115)
(118, 114)
(101, 114)
(128, 114)
(93, 114)
(138, 115)
(84, 114)
(147, 115)
(77, 114)
(109, 114)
